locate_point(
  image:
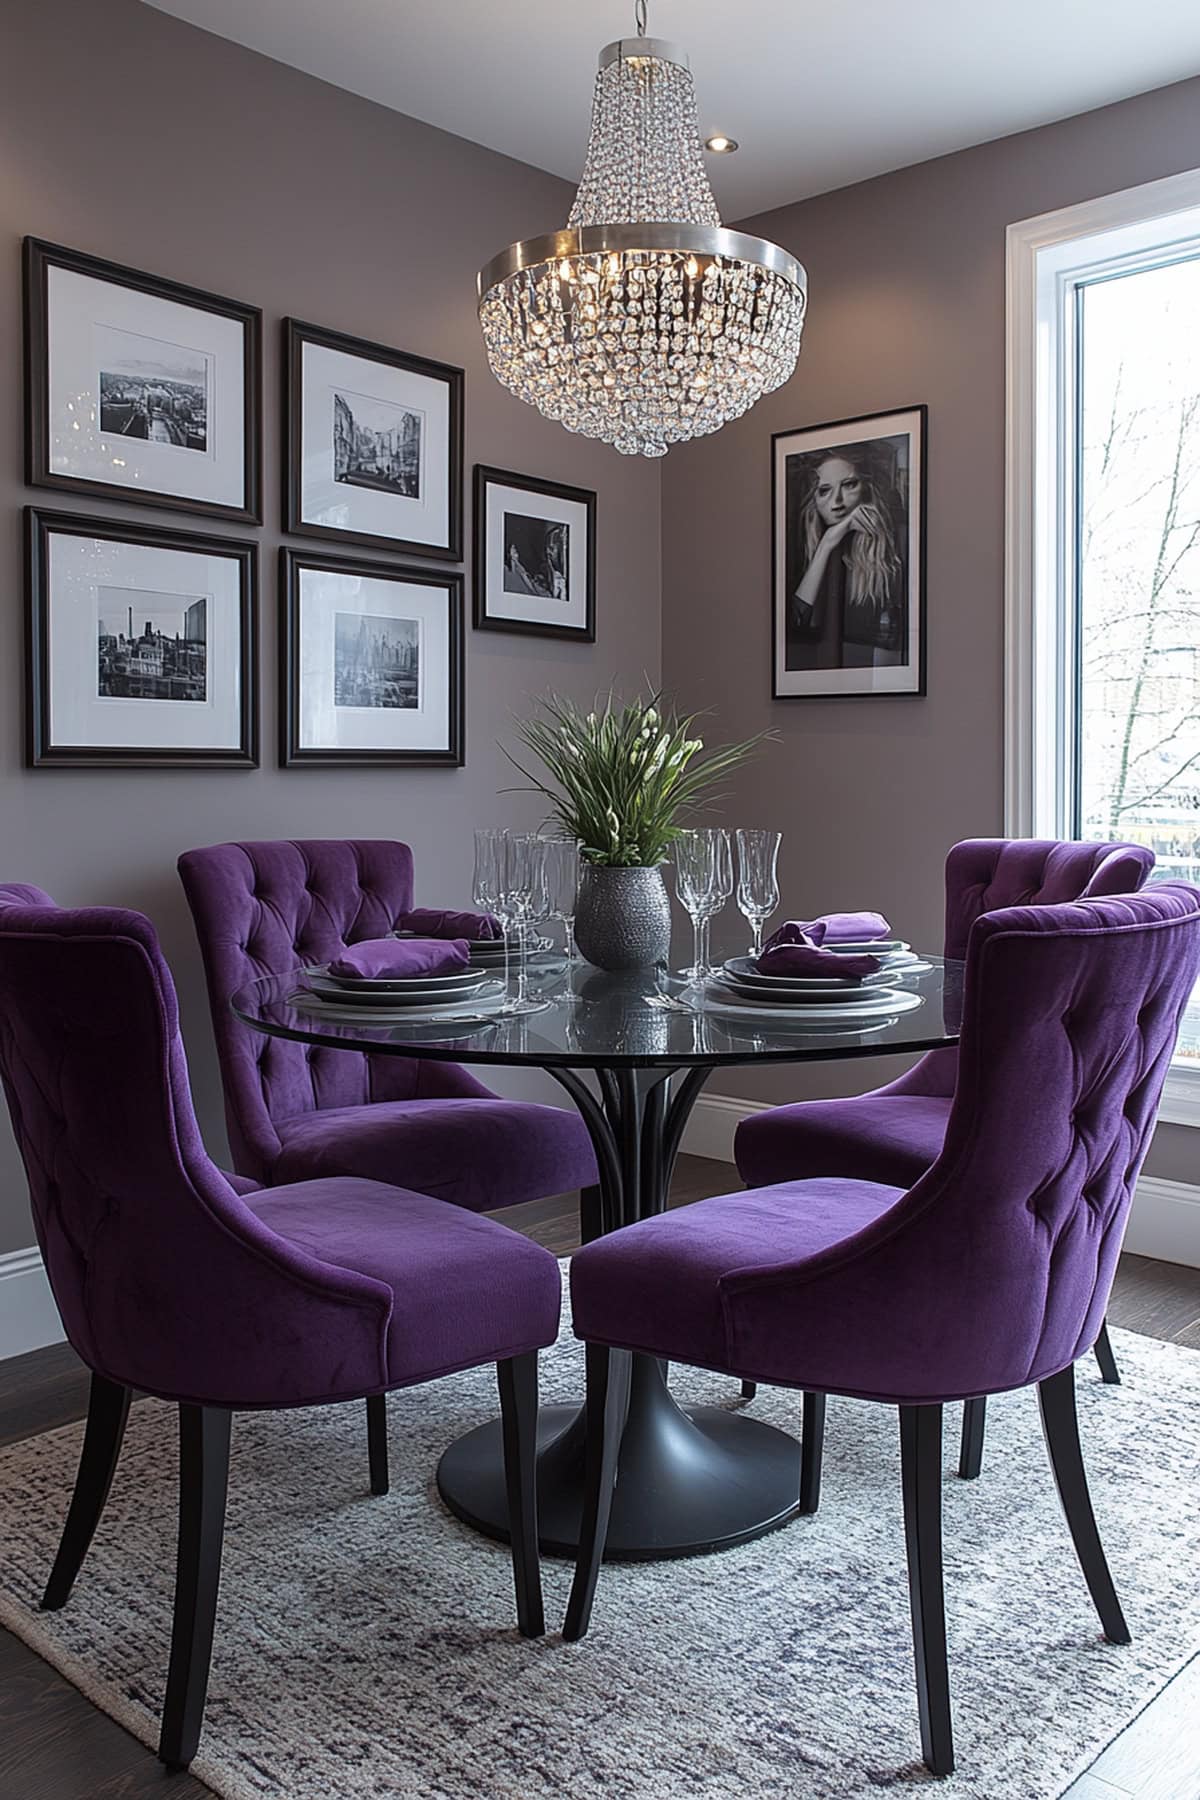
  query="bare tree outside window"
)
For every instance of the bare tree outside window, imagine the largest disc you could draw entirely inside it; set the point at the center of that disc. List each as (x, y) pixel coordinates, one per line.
(1139, 567)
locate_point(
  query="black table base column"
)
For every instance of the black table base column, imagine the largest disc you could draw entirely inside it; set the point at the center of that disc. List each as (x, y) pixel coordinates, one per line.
(691, 1479)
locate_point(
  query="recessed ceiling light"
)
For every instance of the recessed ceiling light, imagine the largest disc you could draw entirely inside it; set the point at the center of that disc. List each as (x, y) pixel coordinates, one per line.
(720, 145)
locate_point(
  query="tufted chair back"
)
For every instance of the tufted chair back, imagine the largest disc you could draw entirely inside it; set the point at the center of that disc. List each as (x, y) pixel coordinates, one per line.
(268, 909)
(23, 893)
(983, 874)
(164, 1278)
(994, 1269)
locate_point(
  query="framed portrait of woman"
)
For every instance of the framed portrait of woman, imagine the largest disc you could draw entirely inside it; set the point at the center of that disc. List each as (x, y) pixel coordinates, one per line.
(848, 524)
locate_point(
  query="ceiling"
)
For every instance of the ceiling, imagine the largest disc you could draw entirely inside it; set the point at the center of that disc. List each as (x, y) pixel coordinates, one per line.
(818, 94)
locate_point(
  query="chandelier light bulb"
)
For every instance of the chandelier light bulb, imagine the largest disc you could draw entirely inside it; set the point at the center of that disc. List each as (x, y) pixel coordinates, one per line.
(644, 322)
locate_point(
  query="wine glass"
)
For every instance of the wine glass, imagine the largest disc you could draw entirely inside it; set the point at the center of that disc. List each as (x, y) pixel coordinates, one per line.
(487, 888)
(703, 882)
(524, 888)
(562, 887)
(758, 880)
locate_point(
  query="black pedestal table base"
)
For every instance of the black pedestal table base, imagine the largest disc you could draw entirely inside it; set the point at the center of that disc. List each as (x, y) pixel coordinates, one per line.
(691, 1479)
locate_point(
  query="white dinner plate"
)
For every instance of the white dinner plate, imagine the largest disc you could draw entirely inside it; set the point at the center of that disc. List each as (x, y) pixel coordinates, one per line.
(396, 984)
(487, 1002)
(885, 1004)
(876, 947)
(823, 993)
(742, 969)
(407, 999)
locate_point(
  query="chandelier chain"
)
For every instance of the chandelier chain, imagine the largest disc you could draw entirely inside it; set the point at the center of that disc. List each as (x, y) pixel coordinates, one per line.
(639, 17)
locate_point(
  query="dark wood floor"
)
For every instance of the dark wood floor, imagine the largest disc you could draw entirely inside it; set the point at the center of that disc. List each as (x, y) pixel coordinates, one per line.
(54, 1745)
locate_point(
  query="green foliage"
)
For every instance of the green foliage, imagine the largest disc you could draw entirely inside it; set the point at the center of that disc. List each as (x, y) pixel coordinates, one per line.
(620, 779)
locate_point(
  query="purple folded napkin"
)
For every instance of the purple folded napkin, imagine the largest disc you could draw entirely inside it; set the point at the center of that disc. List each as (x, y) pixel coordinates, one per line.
(809, 959)
(377, 959)
(439, 922)
(832, 928)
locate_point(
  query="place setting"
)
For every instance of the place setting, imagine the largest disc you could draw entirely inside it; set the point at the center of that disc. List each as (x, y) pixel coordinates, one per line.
(841, 970)
(452, 968)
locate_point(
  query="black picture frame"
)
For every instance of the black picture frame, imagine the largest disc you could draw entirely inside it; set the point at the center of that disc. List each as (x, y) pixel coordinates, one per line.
(292, 753)
(863, 429)
(39, 258)
(487, 620)
(296, 335)
(41, 751)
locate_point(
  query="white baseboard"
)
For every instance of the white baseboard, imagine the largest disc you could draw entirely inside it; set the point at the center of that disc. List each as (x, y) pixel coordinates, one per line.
(715, 1118)
(28, 1316)
(1164, 1221)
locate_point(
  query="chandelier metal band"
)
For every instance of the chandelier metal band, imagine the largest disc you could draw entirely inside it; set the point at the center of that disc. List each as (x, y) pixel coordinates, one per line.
(700, 241)
(644, 49)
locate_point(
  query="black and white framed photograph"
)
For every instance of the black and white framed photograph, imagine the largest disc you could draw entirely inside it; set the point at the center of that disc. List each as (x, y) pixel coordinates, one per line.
(848, 523)
(138, 388)
(142, 646)
(535, 556)
(372, 663)
(374, 444)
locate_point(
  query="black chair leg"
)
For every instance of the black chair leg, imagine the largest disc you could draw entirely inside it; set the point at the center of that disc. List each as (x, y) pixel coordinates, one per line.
(203, 1480)
(970, 1453)
(608, 1373)
(1060, 1423)
(749, 1389)
(518, 1380)
(591, 1215)
(921, 1477)
(108, 1409)
(1103, 1350)
(812, 1445)
(377, 1442)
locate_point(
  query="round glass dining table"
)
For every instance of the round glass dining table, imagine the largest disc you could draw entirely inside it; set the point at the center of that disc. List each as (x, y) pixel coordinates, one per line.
(633, 1051)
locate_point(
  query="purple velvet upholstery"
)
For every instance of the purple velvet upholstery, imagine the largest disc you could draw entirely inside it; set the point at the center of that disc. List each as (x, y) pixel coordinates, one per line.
(294, 1110)
(993, 1270)
(23, 893)
(895, 1133)
(166, 1279)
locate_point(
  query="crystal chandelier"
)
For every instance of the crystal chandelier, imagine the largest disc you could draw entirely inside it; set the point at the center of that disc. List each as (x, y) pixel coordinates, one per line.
(645, 322)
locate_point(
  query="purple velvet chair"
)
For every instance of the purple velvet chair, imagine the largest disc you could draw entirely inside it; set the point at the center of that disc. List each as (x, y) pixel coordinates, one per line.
(990, 1272)
(170, 1283)
(895, 1133)
(295, 1111)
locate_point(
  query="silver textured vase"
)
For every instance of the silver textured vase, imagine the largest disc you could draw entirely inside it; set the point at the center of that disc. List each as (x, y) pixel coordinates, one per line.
(622, 917)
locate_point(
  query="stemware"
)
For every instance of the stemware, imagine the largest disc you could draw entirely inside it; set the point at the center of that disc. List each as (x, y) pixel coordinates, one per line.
(487, 888)
(758, 880)
(562, 889)
(703, 883)
(524, 892)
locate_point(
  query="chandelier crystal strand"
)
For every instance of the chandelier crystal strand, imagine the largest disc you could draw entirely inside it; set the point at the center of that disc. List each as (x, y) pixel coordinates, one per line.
(645, 322)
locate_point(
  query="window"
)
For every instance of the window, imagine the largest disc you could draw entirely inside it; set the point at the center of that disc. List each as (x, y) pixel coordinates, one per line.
(1103, 567)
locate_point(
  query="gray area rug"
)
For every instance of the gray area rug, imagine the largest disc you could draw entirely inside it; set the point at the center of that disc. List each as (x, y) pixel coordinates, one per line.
(366, 1647)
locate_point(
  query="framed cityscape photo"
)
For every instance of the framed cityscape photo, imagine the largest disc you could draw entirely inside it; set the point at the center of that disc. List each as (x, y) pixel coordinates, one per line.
(372, 664)
(535, 556)
(138, 388)
(142, 646)
(374, 444)
(848, 526)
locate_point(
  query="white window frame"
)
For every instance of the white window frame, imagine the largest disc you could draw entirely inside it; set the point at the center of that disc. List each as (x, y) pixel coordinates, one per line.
(1046, 258)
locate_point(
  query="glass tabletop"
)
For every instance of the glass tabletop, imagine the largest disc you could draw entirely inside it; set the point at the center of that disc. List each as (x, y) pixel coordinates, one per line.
(649, 1017)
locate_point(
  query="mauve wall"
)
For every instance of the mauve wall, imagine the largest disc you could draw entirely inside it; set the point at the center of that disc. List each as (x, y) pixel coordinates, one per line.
(906, 284)
(130, 135)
